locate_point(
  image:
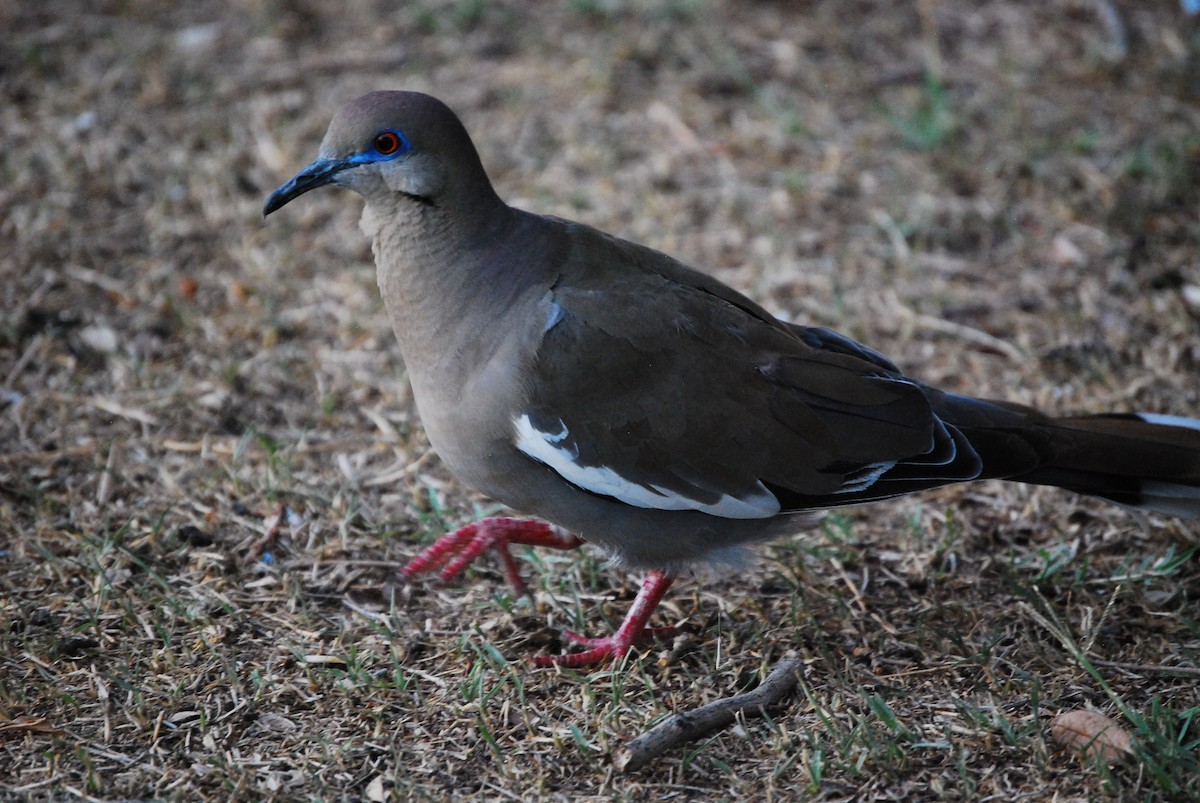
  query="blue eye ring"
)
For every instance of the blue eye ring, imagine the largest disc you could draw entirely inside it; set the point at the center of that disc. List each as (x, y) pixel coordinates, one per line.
(389, 144)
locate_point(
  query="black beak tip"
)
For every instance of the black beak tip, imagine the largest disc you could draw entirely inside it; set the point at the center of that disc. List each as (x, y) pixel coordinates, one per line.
(317, 174)
(283, 195)
(273, 203)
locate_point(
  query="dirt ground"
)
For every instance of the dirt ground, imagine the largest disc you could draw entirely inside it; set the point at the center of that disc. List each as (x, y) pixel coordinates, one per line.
(210, 463)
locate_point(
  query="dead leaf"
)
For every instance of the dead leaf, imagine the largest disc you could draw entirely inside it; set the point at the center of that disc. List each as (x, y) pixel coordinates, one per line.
(1093, 733)
(1191, 296)
(31, 725)
(1065, 252)
(103, 339)
(276, 722)
(326, 660)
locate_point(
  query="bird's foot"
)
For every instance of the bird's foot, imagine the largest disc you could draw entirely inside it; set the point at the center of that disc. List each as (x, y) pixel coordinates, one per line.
(633, 629)
(453, 552)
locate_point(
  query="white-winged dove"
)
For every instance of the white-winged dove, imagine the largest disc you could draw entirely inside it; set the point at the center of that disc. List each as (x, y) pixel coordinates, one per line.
(645, 407)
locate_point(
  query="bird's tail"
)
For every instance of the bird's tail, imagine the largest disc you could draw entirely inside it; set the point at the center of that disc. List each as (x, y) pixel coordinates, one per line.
(1142, 460)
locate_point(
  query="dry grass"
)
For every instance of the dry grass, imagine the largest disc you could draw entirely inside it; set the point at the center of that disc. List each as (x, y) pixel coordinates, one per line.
(930, 179)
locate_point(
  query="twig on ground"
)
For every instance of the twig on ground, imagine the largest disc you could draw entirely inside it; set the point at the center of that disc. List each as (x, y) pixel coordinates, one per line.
(691, 725)
(260, 545)
(1161, 669)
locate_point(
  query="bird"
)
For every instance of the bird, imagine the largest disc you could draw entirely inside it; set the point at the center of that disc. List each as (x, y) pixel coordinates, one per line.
(630, 402)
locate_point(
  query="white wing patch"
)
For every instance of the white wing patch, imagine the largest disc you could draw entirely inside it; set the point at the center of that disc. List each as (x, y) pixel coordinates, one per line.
(757, 503)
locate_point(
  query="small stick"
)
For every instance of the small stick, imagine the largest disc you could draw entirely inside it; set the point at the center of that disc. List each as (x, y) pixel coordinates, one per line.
(105, 486)
(1178, 671)
(268, 538)
(691, 725)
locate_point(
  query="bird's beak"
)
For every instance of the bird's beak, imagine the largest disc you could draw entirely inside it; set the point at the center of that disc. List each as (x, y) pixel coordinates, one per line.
(317, 174)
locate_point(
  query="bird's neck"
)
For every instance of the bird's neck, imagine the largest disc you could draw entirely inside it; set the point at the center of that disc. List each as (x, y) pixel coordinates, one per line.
(441, 273)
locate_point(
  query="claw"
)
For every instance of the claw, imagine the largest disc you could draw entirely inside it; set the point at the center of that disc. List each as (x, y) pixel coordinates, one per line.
(613, 648)
(453, 552)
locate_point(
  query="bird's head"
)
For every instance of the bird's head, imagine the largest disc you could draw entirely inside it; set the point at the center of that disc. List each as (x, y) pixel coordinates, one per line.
(385, 145)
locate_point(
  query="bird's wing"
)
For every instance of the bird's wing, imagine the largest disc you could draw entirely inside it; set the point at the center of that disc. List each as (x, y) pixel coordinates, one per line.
(659, 386)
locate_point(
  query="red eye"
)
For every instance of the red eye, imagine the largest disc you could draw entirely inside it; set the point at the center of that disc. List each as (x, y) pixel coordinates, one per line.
(386, 143)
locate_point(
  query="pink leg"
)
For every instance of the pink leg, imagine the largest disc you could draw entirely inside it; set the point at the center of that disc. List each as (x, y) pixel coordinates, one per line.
(453, 552)
(633, 628)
